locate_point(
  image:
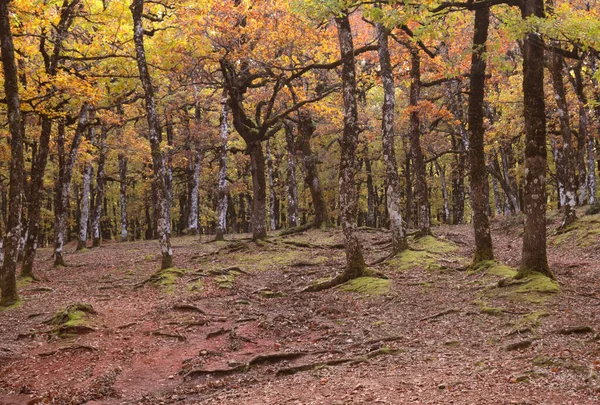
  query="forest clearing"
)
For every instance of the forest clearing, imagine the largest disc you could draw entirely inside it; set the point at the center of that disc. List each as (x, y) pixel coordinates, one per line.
(434, 332)
(299, 202)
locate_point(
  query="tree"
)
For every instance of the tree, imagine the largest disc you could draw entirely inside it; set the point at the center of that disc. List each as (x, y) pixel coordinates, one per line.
(10, 294)
(534, 256)
(161, 203)
(478, 173)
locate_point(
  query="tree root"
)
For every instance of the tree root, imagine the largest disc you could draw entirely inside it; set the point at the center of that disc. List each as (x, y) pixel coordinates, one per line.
(575, 330)
(325, 285)
(189, 308)
(335, 362)
(259, 359)
(64, 349)
(297, 229)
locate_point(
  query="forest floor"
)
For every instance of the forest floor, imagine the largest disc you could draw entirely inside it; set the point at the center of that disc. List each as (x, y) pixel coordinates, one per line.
(230, 324)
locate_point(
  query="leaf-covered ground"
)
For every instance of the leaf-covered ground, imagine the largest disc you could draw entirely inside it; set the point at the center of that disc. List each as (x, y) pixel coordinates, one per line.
(229, 325)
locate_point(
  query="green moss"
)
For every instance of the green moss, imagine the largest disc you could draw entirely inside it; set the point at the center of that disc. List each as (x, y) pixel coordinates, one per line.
(585, 232)
(195, 286)
(434, 245)
(538, 283)
(494, 268)
(24, 282)
(225, 282)
(149, 258)
(484, 308)
(411, 259)
(367, 285)
(271, 294)
(73, 320)
(531, 320)
(166, 278)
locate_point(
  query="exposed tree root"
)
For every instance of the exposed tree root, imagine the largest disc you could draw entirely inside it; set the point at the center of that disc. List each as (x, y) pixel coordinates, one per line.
(300, 244)
(341, 279)
(575, 330)
(244, 367)
(189, 308)
(297, 229)
(335, 362)
(523, 344)
(218, 332)
(68, 348)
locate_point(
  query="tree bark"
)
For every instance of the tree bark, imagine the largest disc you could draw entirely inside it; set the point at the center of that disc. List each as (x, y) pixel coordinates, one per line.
(291, 185)
(306, 129)
(222, 187)
(567, 150)
(534, 255)
(8, 280)
(123, 195)
(355, 263)
(421, 194)
(63, 182)
(397, 225)
(478, 175)
(272, 195)
(154, 136)
(100, 182)
(85, 196)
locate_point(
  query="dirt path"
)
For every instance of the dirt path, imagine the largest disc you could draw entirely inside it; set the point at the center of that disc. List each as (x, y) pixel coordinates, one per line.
(232, 327)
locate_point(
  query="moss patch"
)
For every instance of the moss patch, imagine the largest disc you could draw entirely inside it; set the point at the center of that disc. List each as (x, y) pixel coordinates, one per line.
(73, 320)
(531, 320)
(495, 268)
(13, 306)
(487, 309)
(584, 232)
(434, 245)
(367, 285)
(166, 278)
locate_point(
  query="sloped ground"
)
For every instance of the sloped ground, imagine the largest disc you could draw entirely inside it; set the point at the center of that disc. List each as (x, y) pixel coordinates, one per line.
(230, 325)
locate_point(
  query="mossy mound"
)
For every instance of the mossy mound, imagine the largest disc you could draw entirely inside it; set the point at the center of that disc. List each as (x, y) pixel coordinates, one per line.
(427, 252)
(584, 232)
(367, 285)
(495, 268)
(13, 306)
(166, 278)
(530, 321)
(538, 283)
(73, 320)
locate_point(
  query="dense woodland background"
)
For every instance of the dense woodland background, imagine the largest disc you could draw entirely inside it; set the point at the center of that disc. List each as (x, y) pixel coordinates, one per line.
(146, 120)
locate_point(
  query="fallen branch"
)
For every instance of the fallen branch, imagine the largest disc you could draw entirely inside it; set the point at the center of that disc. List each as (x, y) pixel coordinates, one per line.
(181, 338)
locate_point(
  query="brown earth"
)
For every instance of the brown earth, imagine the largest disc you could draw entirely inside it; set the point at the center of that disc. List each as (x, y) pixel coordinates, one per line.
(442, 334)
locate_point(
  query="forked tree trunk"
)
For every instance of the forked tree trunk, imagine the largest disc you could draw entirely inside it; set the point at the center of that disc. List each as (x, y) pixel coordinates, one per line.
(123, 195)
(8, 280)
(100, 182)
(63, 182)
(534, 256)
(222, 186)
(397, 225)
(355, 263)
(161, 202)
(85, 196)
(478, 174)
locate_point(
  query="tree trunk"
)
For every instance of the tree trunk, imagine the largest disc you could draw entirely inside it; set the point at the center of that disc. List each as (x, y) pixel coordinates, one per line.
(100, 182)
(154, 136)
(534, 256)
(291, 185)
(222, 187)
(8, 280)
(259, 191)
(397, 226)
(371, 193)
(478, 175)
(272, 196)
(63, 182)
(38, 168)
(194, 187)
(85, 196)
(306, 129)
(421, 191)
(123, 195)
(355, 263)
(568, 152)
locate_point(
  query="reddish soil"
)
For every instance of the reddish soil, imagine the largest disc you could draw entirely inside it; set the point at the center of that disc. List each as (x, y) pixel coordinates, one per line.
(144, 349)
